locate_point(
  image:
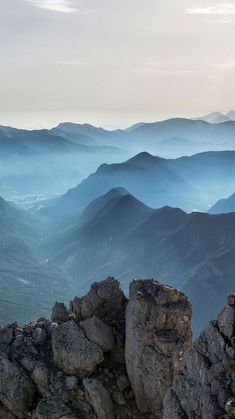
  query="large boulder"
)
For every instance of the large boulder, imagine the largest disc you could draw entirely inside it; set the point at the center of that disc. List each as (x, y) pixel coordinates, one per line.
(105, 300)
(158, 331)
(99, 333)
(73, 352)
(205, 385)
(17, 391)
(99, 398)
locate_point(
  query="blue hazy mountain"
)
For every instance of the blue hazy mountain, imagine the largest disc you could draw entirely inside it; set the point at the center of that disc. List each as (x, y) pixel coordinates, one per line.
(223, 206)
(13, 140)
(194, 130)
(149, 136)
(42, 163)
(125, 238)
(214, 118)
(48, 162)
(142, 136)
(189, 182)
(218, 117)
(147, 177)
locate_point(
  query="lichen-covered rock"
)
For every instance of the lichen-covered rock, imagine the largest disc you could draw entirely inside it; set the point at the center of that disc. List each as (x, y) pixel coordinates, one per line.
(158, 331)
(99, 333)
(17, 391)
(73, 352)
(99, 398)
(205, 385)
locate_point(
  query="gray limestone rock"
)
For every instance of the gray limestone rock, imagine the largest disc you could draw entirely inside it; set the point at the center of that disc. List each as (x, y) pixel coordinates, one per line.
(158, 331)
(204, 387)
(99, 333)
(73, 352)
(99, 398)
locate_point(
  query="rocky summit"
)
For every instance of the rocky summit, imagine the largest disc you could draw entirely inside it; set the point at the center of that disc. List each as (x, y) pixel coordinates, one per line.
(108, 357)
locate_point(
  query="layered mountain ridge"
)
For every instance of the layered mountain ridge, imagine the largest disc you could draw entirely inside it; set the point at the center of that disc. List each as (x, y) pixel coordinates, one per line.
(122, 235)
(191, 183)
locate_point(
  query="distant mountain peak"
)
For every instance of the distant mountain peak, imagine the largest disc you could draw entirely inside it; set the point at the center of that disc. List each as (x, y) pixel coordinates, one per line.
(223, 206)
(231, 115)
(144, 157)
(117, 191)
(65, 126)
(218, 117)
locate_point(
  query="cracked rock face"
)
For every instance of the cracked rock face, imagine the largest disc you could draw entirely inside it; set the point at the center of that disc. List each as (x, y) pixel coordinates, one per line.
(99, 333)
(107, 302)
(205, 385)
(158, 331)
(73, 352)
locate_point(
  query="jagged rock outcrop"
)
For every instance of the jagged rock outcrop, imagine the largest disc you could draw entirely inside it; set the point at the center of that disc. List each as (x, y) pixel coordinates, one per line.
(74, 366)
(158, 331)
(205, 385)
(43, 364)
(60, 313)
(105, 301)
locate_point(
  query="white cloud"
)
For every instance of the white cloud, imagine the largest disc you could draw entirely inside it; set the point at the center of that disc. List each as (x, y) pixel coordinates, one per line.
(157, 68)
(216, 9)
(70, 62)
(63, 6)
(228, 66)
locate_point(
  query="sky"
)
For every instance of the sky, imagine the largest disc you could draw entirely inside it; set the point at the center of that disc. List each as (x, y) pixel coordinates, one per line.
(113, 63)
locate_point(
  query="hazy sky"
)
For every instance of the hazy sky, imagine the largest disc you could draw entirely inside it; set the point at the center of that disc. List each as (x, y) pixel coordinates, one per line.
(114, 62)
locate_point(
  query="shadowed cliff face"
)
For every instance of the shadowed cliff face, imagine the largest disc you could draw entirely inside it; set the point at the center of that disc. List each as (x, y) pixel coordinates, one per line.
(205, 385)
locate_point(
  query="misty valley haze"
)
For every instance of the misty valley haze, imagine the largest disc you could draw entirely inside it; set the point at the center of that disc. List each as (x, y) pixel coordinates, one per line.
(80, 203)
